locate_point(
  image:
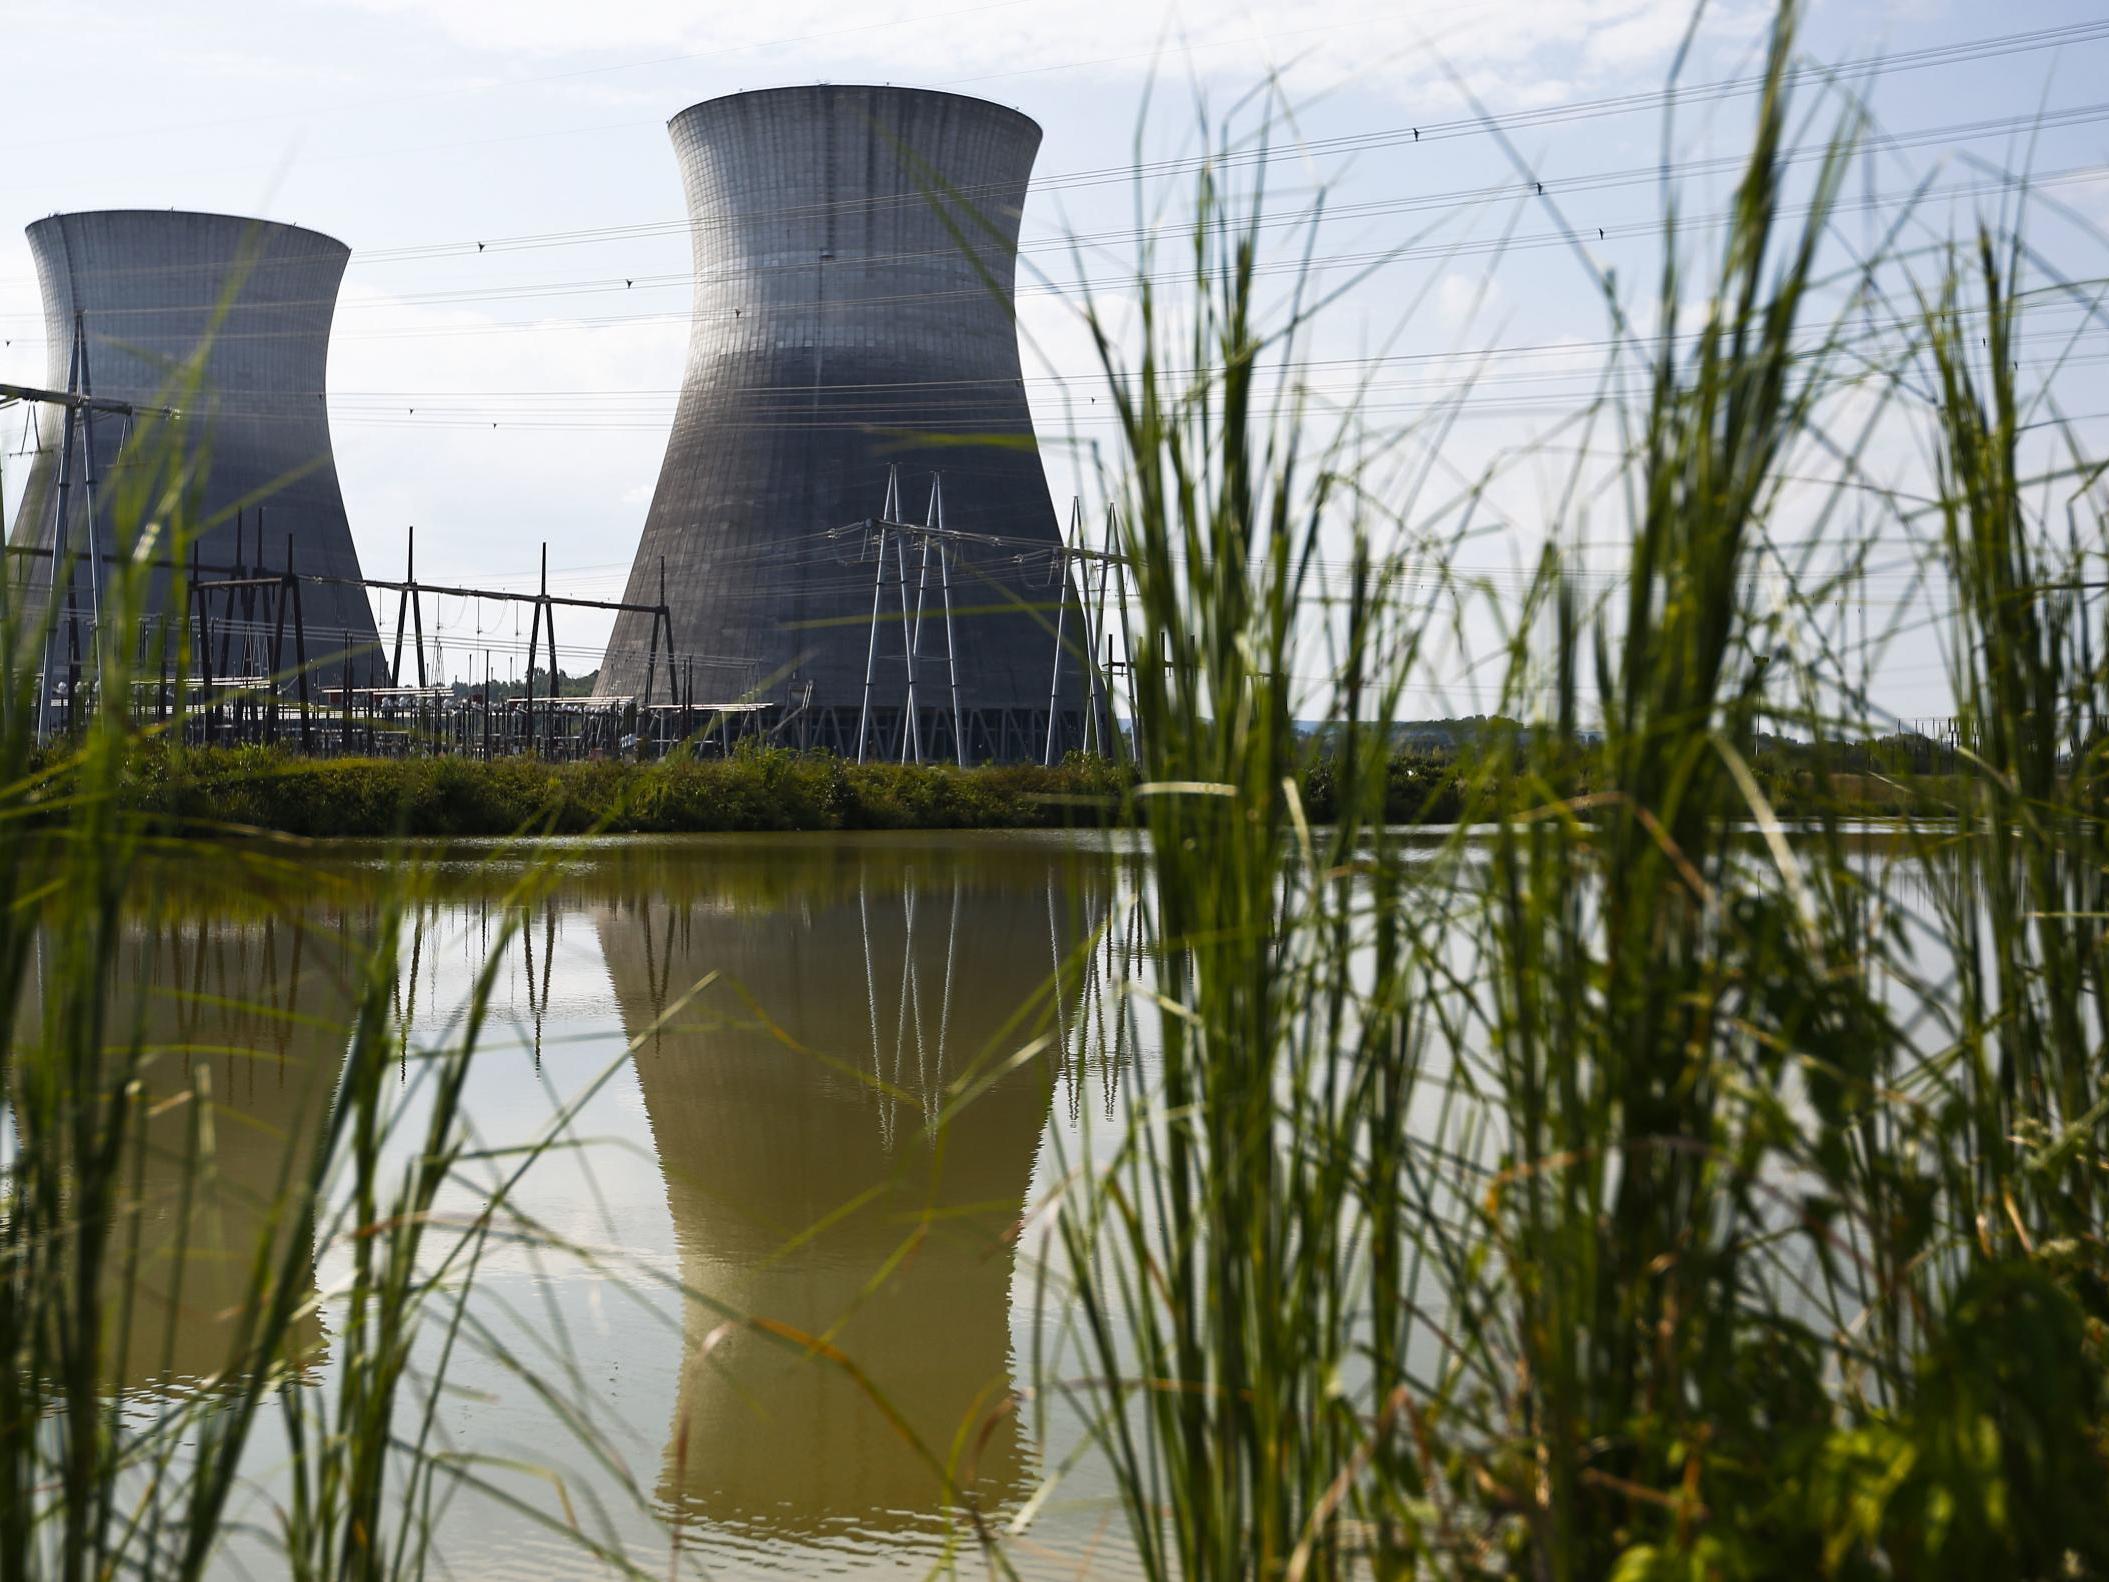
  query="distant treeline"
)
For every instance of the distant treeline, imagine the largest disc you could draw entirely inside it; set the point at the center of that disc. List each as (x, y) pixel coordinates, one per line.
(568, 686)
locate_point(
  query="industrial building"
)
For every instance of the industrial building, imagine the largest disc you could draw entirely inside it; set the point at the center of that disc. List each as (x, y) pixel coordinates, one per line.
(853, 324)
(129, 297)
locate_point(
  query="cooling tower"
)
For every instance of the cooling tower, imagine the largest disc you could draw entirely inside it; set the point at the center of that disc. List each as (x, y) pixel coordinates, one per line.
(854, 253)
(150, 287)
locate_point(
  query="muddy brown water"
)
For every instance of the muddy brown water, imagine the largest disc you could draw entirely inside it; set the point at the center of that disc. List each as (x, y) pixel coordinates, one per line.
(803, 1081)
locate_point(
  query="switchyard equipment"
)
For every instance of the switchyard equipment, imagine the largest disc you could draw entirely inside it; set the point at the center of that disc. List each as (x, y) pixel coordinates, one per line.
(855, 251)
(233, 668)
(130, 296)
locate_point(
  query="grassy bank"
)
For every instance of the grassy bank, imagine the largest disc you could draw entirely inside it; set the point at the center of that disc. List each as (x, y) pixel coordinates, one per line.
(260, 788)
(268, 789)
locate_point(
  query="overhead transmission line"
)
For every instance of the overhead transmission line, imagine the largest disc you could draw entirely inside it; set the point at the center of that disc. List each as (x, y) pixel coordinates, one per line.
(1960, 52)
(2091, 174)
(1455, 199)
(1881, 66)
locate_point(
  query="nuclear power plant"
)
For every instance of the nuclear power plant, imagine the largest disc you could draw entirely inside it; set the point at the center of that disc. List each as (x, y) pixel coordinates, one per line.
(129, 297)
(855, 252)
(851, 544)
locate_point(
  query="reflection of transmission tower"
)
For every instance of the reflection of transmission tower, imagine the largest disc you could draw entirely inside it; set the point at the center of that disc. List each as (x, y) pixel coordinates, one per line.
(1097, 1027)
(801, 1188)
(913, 1053)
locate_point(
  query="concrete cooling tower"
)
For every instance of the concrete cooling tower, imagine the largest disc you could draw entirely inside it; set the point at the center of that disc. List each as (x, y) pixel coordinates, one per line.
(855, 249)
(150, 287)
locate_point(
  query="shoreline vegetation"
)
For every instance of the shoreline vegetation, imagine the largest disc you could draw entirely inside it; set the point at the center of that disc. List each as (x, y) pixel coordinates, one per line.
(1603, 1194)
(1606, 1193)
(249, 789)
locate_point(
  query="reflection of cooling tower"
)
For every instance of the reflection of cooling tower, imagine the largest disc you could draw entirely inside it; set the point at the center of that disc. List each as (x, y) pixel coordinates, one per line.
(854, 255)
(265, 1008)
(151, 287)
(793, 1107)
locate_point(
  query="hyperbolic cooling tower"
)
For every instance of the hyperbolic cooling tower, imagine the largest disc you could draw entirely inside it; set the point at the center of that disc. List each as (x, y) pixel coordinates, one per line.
(147, 285)
(855, 249)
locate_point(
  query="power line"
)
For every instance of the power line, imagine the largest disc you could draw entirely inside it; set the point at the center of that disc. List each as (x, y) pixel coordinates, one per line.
(1957, 53)
(75, 137)
(1963, 52)
(1869, 327)
(1450, 200)
(1566, 236)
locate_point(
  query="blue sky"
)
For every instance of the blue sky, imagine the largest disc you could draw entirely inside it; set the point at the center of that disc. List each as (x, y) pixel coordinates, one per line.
(412, 129)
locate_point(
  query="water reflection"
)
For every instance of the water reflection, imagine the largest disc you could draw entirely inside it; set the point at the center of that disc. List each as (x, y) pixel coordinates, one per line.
(838, 1125)
(241, 1019)
(793, 1141)
(848, 1147)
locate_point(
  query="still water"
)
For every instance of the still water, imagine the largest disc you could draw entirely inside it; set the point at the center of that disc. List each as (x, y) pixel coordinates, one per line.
(826, 1082)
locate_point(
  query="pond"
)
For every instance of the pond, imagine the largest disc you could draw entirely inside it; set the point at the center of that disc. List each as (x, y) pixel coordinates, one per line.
(825, 1082)
(782, 1123)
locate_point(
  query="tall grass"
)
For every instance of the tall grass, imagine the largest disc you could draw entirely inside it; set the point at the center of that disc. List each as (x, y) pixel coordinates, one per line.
(118, 1222)
(1224, 1294)
(2027, 925)
(1617, 1187)
(1623, 1189)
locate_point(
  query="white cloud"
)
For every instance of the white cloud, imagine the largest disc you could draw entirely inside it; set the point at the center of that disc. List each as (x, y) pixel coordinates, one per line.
(1403, 52)
(524, 432)
(1467, 301)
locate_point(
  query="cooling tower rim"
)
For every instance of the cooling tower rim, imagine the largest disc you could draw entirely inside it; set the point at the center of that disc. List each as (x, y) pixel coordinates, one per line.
(815, 90)
(58, 218)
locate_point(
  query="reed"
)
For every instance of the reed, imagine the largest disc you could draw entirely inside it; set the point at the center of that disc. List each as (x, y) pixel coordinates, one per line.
(1615, 1185)
(1619, 1189)
(1236, 1261)
(117, 1221)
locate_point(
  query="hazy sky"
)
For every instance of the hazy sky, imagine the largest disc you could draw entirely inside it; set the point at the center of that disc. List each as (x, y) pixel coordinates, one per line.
(412, 129)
